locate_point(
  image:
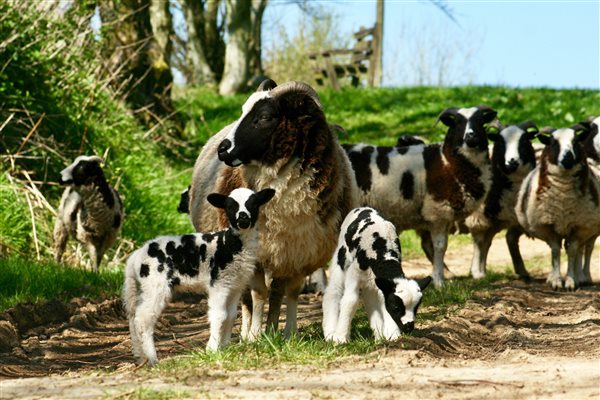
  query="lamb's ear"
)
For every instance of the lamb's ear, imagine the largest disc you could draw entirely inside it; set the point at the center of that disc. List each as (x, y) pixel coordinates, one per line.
(582, 131)
(488, 113)
(544, 135)
(493, 130)
(424, 282)
(530, 129)
(264, 196)
(265, 85)
(386, 286)
(448, 117)
(217, 199)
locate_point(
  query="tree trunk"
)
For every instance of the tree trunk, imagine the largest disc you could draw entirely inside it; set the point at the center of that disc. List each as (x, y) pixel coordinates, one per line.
(376, 70)
(162, 27)
(200, 72)
(258, 9)
(134, 59)
(236, 70)
(214, 44)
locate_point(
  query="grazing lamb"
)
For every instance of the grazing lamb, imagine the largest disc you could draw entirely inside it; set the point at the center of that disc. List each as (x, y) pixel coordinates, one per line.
(282, 140)
(429, 187)
(218, 263)
(559, 200)
(513, 158)
(367, 264)
(90, 209)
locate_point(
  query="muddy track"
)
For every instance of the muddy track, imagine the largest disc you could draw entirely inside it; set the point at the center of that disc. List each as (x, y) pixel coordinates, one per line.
(508, 343)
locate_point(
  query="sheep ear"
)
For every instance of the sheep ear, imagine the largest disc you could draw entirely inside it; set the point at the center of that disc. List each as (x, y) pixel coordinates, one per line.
(264, 196)
(488, 113)
(582, 131)
(217, 199)
(494, 137)
(266, 85)
(545, 139)
(530, 129)
(448, 117)
(386, 286)
(424, 282)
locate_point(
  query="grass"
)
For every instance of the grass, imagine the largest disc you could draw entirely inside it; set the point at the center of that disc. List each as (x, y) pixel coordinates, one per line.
(23, 280)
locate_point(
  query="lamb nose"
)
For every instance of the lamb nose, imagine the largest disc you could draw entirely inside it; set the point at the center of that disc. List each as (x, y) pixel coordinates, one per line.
(224, 146)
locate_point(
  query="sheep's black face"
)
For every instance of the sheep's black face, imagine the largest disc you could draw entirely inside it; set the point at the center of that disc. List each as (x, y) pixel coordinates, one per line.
(250, 138)
(83, 171)
(467, 126)
(241, 206)
(513, 148)
(402, 299)
(564, 147)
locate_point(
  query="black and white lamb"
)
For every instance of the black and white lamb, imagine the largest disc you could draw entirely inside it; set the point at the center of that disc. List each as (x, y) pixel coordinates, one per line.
(559, 200)
(429, 187)
(282, 140)
(513, 158)
(220, 263)
(90, 209)
(367, 264)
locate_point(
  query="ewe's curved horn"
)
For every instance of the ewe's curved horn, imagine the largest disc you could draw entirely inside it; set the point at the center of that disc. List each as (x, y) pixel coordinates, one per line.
(300, 87)
(267, 84)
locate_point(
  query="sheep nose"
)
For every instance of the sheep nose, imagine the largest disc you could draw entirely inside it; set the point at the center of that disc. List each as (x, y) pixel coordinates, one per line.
(243, 221)
(512, 165)
(223, 147)
(408, 327)
(568, 161)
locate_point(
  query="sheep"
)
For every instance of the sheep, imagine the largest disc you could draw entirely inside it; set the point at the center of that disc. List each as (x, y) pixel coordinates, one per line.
(559, 200)
(184, 202)
(429, 187)
(367, 264)
(592, 152)
(512, 158)
(282, 140)
(220, 263)
(90, 209)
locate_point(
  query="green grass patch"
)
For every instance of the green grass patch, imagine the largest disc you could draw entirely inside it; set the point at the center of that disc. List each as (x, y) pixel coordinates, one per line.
(23, 280)
(144, 393)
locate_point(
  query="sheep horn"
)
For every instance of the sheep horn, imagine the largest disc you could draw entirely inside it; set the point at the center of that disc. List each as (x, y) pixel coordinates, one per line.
(300, 87)
(267, 84)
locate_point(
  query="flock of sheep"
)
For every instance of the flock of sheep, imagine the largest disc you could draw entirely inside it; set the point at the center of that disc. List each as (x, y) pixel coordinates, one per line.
(277, 192)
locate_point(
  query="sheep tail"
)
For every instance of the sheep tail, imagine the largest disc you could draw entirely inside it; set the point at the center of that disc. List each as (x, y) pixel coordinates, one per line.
(130, 290)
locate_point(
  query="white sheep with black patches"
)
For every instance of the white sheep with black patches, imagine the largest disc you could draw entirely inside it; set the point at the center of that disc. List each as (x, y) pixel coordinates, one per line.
(429, 187)
(513, 157)
(367, 264)
(221, 264)
(90, 209)
(282, 140)
(559, 200)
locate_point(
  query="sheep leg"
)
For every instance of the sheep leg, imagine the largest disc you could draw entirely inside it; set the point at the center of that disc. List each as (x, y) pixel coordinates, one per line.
(585, 277)
(247, 305)
(232, 304)
(259, 295)
(95, 253)
(218, 317)
(427, 247)
(512, 241)
(440, 244)
(481, 246)
(348, 306)
(331, 298)
(573, 263)
(381, 326)
(147, 312)
(61, 236)
(292, 291)
(275, 298)
(554, 276)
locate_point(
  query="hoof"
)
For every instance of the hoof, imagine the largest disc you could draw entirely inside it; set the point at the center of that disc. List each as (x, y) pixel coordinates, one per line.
(570, 284)
(555, 282)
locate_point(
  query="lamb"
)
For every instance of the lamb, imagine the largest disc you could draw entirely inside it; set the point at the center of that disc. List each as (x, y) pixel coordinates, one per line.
(281, 140)
(429, 187)
(559, 200)
(90, 209)
(220, 263)
(513, 158)
(367, 263)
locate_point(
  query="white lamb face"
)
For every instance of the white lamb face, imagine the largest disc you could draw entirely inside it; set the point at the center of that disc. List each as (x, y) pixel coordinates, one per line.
(402, 299)
(241, 206)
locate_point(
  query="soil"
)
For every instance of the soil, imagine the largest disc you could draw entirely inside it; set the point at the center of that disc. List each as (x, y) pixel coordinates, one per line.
(520, 340)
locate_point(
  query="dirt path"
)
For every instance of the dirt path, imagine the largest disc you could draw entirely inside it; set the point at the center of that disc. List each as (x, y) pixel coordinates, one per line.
(518, 341)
